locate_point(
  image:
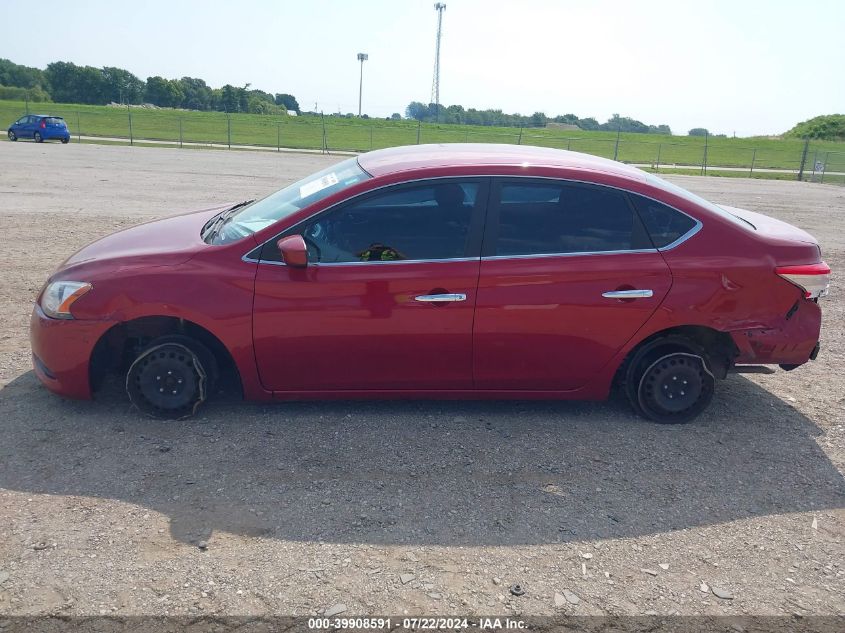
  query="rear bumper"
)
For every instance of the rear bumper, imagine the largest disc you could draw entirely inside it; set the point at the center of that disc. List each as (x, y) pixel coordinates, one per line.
(61, 352)
(794, 342)
(48, 135)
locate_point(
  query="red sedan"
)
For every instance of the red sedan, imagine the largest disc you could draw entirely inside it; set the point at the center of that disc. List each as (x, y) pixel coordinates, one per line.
(447, 271)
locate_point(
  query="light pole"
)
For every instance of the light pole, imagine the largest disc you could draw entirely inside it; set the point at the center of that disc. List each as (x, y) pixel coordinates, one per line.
(362, 57)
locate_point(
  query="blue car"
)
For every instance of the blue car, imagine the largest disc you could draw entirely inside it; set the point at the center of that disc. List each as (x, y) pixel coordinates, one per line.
(39, 127)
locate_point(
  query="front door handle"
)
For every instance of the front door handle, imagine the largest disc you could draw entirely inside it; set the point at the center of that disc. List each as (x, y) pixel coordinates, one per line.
(627, 294)
(444, 298)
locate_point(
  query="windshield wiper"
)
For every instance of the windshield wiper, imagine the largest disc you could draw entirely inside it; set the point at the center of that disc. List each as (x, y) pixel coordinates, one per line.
(213, 227)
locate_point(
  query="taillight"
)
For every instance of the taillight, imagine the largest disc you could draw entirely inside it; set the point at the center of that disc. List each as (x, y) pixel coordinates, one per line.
(813, 279)
(43, 124)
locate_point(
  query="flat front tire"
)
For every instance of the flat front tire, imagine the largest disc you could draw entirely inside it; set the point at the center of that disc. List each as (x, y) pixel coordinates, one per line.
(171, 377)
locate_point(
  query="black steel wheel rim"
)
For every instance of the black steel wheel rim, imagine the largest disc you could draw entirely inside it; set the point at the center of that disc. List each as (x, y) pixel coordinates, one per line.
(166, 381)
(675, 386)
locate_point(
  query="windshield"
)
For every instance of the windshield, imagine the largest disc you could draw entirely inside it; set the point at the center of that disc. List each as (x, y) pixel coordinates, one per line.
(285, 202)
(687, 195)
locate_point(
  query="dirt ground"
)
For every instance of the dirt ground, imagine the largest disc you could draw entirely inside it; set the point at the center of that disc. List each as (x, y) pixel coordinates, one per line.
(400, 507)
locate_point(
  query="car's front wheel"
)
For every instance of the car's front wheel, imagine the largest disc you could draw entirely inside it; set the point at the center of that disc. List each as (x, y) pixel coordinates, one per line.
(65, 140)
(171, 377)
(37, 137)
(668, 380)
(12, 136)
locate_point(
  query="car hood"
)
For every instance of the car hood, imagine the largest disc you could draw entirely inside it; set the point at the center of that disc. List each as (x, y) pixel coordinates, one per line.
(166, 242)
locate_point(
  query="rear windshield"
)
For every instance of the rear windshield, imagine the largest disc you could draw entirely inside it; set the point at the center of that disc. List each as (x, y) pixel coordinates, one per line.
(55, 120)
(687, 195)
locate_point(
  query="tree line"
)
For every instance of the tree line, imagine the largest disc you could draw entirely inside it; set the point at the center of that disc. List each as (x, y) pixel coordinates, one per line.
(68, 83)
(431, 113)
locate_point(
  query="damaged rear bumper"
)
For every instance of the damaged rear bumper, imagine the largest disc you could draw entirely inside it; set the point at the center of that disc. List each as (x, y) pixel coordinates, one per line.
(793, 342)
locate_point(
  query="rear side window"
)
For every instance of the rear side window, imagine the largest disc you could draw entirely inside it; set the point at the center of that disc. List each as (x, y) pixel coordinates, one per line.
(664, 224)
(551, 218)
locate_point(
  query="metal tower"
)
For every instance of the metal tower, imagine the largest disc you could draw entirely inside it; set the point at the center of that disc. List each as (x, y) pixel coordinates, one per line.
(435, 84)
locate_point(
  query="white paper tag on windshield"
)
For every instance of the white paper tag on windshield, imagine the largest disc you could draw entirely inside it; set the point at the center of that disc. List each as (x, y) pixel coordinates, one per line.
(310, 188)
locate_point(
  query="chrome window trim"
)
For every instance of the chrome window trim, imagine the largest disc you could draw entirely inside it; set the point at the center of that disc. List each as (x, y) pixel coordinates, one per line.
(683, 238)
(589, 253)
(695, 229)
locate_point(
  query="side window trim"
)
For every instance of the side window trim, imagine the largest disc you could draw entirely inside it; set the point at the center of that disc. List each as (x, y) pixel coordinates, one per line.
(491, 232)
(474, 237)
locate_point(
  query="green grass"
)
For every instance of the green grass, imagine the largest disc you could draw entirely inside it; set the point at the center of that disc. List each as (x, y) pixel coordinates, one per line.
(306, 132)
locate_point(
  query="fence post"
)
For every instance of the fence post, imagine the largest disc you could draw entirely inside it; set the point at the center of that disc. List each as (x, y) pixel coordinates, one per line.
(26, 96)
(371, 137)
(803, 159)
(180, 132)
(657, 164)
(419, 125)
(278, 136)
(753, 158)
(616, 149)
(78, 129)
(519, 141)
(704, 158)
(129, 112)
(568, 143)
(229, 130)
(824, 167)
(325, 142)
(815, 160)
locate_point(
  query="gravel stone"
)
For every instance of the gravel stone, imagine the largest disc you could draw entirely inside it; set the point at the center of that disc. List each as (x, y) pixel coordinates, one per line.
(722, 594)
(335, 609)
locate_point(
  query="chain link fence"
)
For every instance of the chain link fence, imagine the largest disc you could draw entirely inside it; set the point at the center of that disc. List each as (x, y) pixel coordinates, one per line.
(809, 161)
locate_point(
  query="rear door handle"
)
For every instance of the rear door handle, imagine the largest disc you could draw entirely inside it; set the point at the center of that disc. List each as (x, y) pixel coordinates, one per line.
(627, 294)
(444, 298)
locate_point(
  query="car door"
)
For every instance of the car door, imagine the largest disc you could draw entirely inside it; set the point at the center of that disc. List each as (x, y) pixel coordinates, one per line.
(24, 127)
(568, 275)
(386, 301)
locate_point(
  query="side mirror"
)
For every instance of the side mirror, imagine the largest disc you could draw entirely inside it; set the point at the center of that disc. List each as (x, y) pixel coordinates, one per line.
(294, 251)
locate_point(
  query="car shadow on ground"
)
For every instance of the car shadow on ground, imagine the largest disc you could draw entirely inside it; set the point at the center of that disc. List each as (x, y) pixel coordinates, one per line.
(436, 473)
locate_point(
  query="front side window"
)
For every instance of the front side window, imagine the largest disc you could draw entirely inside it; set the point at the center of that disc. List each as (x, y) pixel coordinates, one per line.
(540, 218)
(413, 222)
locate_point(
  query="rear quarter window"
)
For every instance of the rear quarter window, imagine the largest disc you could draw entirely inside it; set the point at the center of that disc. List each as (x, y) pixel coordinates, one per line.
(51, 120)
(664, 224)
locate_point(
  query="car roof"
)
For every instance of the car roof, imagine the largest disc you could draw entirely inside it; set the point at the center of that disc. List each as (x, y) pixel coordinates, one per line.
(487, 155)
(48, 116)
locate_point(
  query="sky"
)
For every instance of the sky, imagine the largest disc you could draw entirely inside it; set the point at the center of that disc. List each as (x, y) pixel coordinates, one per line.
(743, 67)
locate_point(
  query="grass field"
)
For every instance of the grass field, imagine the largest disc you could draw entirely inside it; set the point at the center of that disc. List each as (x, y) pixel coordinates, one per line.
(306, 132)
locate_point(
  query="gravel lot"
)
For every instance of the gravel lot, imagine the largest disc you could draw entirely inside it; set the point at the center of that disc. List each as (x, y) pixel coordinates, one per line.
(400, 507)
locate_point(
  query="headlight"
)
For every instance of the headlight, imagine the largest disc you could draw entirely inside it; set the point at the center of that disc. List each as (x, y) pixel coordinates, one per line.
(60, 295)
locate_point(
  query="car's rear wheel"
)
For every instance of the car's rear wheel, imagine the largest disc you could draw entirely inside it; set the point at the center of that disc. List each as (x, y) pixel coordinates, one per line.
(12, 136)
(65, 141)
(37, 137)
(171, 377)
(668, 380)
